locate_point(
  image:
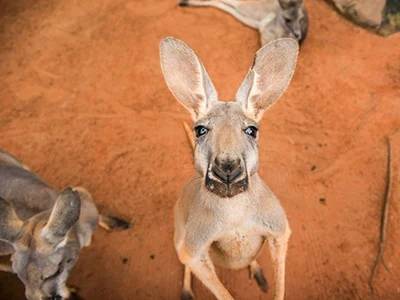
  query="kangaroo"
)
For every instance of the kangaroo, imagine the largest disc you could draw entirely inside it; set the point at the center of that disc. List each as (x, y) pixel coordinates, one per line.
(226, 212)
(43, 230)
(272, 18)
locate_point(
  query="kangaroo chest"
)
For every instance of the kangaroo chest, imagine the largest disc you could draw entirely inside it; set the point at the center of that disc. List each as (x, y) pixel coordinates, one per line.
(236, 249)
(239, 242)
(237, 239)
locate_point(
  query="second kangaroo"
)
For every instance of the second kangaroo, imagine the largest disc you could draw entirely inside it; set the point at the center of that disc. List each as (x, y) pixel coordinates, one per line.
(272, 18)
(43, 229)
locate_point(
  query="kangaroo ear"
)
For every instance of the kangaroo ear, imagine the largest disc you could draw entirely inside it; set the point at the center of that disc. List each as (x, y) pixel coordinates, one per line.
(186, 77)
(89, 217)
(10, 224)
(268, 78)
(64, 215)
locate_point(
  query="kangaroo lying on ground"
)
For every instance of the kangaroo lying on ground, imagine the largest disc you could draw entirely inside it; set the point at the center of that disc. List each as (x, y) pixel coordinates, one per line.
(226, 212)
(43, 230)
(272, 18)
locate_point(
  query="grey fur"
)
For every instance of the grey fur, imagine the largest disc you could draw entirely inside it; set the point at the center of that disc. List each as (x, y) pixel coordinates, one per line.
(42, 229)
(272, 18)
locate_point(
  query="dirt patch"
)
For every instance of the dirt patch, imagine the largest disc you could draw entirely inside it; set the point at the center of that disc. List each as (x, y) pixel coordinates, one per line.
(84, 103)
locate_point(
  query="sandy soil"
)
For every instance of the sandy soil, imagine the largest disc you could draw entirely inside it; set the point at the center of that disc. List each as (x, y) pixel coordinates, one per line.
(83, 102)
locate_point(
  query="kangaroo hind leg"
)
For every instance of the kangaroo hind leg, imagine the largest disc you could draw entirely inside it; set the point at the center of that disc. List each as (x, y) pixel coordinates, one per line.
(204, 270)
(257, 273)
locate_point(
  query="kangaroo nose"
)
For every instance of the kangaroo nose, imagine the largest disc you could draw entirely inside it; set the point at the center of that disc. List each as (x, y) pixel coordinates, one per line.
(227, 170)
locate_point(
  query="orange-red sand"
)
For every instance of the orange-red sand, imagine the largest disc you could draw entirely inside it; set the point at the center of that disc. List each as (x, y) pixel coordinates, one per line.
(83, 102)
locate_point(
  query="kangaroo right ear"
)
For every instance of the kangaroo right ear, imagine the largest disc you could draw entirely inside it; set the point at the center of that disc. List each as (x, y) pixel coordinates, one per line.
(10, 224)
(269, 76)
(186, 77)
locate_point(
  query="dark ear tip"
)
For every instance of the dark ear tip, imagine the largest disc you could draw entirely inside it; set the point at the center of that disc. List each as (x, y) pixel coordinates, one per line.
(71, 197)
(69, 191)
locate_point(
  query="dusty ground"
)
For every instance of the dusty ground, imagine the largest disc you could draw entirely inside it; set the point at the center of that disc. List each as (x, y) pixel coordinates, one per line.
(83, 102)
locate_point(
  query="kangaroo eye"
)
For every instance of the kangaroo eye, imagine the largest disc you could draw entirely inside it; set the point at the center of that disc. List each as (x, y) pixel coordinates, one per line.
(287, 20)
(200, 130)
(251, 131)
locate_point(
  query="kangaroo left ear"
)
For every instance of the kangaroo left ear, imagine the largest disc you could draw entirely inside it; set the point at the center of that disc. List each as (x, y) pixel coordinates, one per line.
(64, 215)
(268, 78)
(10, 223)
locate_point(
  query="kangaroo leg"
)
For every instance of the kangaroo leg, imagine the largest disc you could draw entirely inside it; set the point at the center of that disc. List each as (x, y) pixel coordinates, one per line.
(111, 223)
(257, 273)
(12, 160)
(204, 270)
(106, 222)
(229, 6)
(187, 293)
(278, 249)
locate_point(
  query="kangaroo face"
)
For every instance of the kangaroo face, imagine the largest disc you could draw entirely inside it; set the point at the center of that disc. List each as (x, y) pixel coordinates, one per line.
(294, 18)
(45, 250)
(226, 153)
(41, 266)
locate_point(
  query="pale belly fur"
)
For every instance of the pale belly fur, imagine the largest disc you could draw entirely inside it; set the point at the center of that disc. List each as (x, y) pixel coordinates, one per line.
(236, 249)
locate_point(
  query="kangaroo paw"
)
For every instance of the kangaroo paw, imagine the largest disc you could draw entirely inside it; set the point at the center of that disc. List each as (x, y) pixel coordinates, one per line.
(183, 3)
(110, 223)
(187, 295)
(256, 272)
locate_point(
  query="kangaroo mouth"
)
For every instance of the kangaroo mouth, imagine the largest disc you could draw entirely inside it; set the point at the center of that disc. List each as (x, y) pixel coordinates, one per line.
(225, 189)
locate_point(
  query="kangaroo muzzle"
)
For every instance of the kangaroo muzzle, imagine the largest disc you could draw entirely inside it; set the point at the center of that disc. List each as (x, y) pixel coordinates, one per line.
(226, 177)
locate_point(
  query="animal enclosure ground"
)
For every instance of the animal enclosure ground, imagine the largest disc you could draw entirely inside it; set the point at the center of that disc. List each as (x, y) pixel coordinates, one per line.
(83, 102)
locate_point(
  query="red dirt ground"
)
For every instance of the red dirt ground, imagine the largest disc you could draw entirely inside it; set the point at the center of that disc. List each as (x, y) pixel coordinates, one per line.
(83, 102)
